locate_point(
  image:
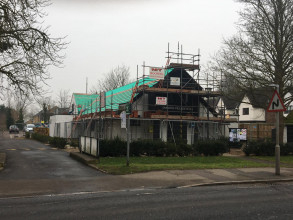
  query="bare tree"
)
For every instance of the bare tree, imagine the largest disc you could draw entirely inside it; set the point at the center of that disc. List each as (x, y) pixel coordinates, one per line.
(26, 48)
(261, 53)
(117, 77)
(46, 103)
(21, 102)
(63, 98)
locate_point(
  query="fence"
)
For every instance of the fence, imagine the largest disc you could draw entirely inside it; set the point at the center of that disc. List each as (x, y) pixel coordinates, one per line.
(258, 131)
(89, 145)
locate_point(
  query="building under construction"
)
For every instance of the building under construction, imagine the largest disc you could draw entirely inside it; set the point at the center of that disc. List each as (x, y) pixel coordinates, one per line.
(170, 103)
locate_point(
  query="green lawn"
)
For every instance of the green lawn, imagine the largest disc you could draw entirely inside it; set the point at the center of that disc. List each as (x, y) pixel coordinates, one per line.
(144, 164)
(283, 159)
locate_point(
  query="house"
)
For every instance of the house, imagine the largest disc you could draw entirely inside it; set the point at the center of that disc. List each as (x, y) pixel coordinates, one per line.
(253, 114)
(42, 117)
(289, 108)
(60, 125)
(253, 107)
(227, 107)
(174, 108)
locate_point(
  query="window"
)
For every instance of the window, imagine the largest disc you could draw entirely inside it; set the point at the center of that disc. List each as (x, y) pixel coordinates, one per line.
(245, 111)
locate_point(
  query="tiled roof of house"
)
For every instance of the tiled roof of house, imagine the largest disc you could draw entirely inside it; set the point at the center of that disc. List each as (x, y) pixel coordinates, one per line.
(259, 98)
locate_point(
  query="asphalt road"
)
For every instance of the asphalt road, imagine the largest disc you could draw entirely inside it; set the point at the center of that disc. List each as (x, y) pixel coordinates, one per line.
(216, 202)
(33, 168)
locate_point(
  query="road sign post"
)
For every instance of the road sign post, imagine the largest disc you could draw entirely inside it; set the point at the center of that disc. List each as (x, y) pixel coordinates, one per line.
(277, 105)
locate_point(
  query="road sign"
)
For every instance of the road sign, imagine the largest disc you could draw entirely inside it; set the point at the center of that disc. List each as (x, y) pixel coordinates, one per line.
(276, 103)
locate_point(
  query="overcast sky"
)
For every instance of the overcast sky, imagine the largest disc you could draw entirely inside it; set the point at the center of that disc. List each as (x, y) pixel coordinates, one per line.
(103, 34)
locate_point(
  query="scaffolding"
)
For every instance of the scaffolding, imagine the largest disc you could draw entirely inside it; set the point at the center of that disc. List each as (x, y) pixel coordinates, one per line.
(186, 106)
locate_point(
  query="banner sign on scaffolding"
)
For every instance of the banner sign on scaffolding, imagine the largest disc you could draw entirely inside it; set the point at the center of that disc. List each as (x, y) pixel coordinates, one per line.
(175, 81)
(157, 72)
(161, 100)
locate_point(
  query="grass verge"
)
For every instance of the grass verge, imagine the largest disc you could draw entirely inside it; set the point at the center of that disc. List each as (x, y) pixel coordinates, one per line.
(287, 160)
(145, 164)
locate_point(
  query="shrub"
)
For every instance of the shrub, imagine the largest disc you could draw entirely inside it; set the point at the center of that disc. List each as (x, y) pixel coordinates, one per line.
(117, 147)
(171, 149)
(249, 148)
(159, 148)
(113, 148)
(40, 137)
(27, 135)
(74, 142)
(266, 148)
(286, 149)
(58, 142)
(211, 147)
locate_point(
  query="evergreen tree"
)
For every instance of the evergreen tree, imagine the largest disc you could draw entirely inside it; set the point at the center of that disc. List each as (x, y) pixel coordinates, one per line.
(9, 118)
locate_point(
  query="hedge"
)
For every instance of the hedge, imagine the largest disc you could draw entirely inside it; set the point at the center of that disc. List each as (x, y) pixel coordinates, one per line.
(57, 142)
(266, 148)
(54, 141)
(212, 147)
(118, 147)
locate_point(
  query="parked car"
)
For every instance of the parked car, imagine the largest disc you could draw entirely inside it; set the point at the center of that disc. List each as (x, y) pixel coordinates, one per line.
(13, 129)
(29, 128)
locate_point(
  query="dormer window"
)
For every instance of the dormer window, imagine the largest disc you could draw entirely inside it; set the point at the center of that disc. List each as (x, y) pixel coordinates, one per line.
(245, 111)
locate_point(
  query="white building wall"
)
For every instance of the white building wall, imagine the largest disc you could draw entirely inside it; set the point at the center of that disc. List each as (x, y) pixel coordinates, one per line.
(63, 121)
(290, 106)
(190, 134)
(202, 110)
(141, 104)
(255, 114)
(221, 105)
(136, 132)
(164, 131)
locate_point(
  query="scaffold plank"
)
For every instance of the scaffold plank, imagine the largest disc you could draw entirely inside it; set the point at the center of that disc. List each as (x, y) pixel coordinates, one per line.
(184, 91)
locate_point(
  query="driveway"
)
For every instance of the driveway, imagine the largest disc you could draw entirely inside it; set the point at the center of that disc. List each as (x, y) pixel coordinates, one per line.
(32, 167)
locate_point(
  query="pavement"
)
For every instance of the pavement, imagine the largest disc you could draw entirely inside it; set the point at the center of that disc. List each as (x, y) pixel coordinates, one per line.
(191, 178)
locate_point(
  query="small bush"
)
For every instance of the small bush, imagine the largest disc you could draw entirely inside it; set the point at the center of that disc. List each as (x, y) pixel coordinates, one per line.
(58, 142)
(27, 135)
(286, 149)
(249, 148)
(74, 143)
